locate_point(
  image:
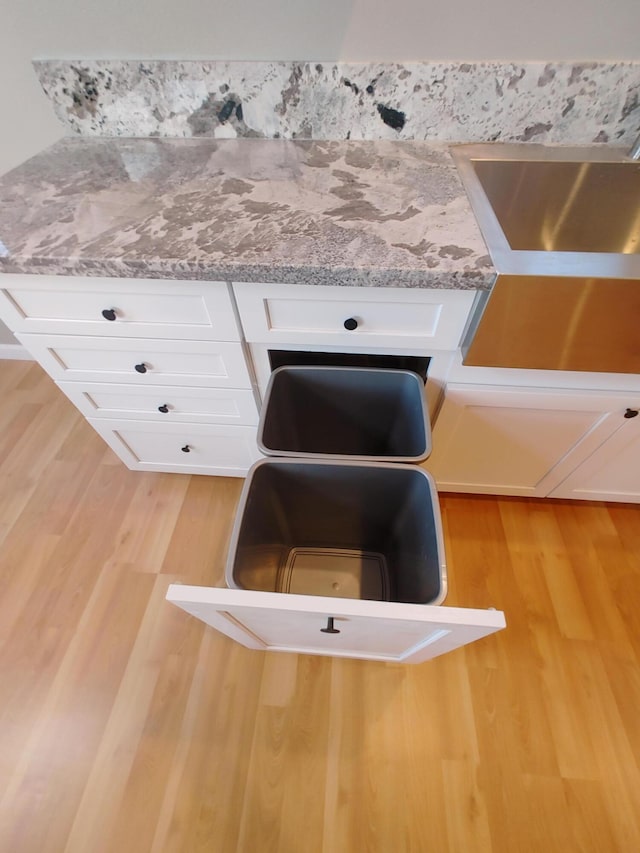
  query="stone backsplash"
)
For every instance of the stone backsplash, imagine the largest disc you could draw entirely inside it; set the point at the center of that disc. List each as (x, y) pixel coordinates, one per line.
(547, 102)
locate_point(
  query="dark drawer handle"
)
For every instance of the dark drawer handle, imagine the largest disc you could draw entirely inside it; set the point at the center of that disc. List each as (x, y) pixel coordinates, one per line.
(109, 314)
(163, 408)
(141, 368)
(631, 413)
(186, 449)
(350, 324)
(330, 629)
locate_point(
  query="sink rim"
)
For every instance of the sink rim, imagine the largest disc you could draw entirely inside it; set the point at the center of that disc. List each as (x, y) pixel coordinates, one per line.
(510, 261)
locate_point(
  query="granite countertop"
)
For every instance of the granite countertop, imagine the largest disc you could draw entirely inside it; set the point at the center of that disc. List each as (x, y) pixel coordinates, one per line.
(367, 213)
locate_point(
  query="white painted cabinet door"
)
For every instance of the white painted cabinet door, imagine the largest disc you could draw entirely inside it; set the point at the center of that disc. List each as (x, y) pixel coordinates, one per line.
(612, 472)
(503, 440)
(370, 630)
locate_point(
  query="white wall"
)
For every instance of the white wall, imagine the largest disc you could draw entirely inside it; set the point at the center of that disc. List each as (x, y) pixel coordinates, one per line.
(288, 29)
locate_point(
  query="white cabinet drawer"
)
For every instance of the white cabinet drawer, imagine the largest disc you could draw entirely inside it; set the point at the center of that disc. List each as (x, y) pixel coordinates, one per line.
(227, 451)
(163, 403)
(383, 317)
(140, 308)
(143, 362)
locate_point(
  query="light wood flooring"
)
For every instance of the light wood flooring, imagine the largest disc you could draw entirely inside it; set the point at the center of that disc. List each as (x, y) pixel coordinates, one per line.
(127, 726)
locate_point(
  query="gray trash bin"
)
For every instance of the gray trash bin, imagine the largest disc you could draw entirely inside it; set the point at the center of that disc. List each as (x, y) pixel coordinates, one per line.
(353, 413)
(352, 530)
(343, 513)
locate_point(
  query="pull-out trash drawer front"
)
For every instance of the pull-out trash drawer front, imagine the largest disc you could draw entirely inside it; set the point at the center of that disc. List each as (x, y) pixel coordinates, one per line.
(382, 631)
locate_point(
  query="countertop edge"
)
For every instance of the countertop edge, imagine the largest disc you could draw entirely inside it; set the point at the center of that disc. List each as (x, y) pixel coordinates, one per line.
(258, 274)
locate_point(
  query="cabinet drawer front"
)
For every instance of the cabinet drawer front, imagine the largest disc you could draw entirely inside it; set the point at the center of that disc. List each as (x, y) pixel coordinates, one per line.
(227, 451)
(145, 308)
(382, 317)
(370, 630)
(143, 362)
(163, 403)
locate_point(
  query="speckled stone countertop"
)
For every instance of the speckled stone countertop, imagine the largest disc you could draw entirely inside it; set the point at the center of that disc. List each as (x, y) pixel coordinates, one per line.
(367, 213)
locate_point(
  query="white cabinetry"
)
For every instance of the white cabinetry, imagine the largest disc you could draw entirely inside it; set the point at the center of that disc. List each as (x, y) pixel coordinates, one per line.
(191, 448)
(140, 308)
(538, 442)
(141, 362)
(147, 361)
(157, 367)
(369, 630)
(353, 317)
(192, 404)
(612, 471)
(153, 364)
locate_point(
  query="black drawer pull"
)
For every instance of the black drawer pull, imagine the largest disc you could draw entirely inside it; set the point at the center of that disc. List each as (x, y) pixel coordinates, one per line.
(330, 629)
(631, 413)
(141, 368)
(109, 314)
(350, 324)
(186, 449)
(163, 408)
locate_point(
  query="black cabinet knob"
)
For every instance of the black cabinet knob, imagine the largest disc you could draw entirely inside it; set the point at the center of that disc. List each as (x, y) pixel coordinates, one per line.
(109, 314)
(186, 449)
(631, 413)
(141, 368)
(163, 408)
(330, 629)
(351, 324)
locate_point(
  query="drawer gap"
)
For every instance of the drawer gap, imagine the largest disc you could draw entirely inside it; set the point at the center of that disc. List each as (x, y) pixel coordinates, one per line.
(292, 358)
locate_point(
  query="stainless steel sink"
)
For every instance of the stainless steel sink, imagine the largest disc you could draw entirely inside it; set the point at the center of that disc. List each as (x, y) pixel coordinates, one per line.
(548, 206)
(562, 226)
(555, 211)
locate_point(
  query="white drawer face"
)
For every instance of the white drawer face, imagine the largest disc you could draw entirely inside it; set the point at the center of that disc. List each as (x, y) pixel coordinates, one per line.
(118, 307)
(183, 363)
(378, 316)
(181, 448)
(164, 404)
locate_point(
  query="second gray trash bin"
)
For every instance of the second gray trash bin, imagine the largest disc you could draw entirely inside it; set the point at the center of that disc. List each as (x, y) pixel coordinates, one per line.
(342, 515)
(356, 413)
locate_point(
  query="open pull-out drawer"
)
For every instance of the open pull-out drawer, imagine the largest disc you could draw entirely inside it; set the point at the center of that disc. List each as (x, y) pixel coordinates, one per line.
(338, 549)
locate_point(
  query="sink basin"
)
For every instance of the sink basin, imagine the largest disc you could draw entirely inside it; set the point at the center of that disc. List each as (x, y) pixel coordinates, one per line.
(548, 206)
(555, 211)
(562, 226)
